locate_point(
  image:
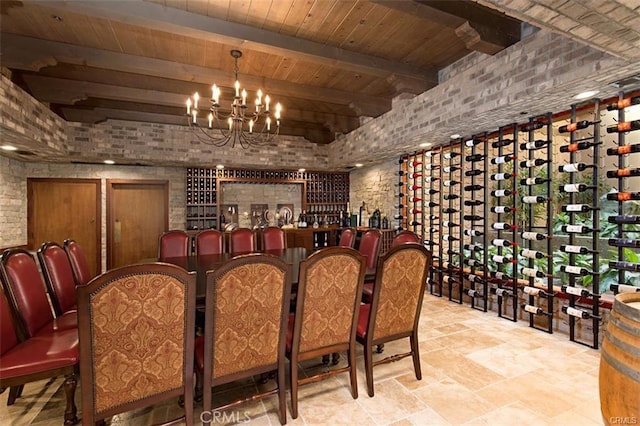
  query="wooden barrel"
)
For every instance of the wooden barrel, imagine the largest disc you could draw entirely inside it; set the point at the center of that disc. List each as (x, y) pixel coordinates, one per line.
(620, 362)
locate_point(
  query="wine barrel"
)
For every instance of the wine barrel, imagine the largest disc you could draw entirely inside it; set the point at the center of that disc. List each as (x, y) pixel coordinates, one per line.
(620, 362)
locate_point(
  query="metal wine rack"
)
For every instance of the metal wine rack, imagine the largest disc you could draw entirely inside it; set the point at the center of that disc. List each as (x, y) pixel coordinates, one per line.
(403, 193)
(536, 169)
(416, 191)
(451, 219)
(432, 170)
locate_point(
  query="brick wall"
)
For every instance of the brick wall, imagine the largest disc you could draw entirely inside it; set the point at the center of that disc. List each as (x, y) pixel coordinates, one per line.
(244, 194)
(375, 186)
(13, 202)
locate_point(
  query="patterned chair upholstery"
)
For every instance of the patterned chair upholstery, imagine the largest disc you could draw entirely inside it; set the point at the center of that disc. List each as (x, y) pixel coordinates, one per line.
(405, 237)
(242, 240)
(396, 304)
(273, 239)
(58, 276)
(136, 339)
(79, 264)
(326, 317)
(173, 244)
(209, 242)
(247, 306)
(347, 238)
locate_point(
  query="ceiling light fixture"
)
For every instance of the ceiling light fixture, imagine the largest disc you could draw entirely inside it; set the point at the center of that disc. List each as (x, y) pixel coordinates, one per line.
(109, 162)
(425, 144)
(359, 164)
(220, 166)
(239, 126)
(454, 136)
(9, 148)
(586, 95)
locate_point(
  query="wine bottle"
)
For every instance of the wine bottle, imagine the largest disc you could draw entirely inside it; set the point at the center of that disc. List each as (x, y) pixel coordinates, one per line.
(473, 247)
(449, 155)
(534, 291)
(576, 291)
(416, 211)
(537, 144)
(503, 292)
(533, 236)
(450, 169)
(450, 182)
(623, 242)
(474, 158)
(534, 125)
(576, 229)
(452, 252)
(398, 216)
(472, 217)
(499, 242)
(576, 208)
(429, 179)
(430, 153)
(574, 249)
(449, 224)
(626, 266)
(532, 309)
(430, 166)
(533, 199)
(433, 217)
(415, 223)
(471, 292)
(501, 193)
(399, 206)
(499, 275)
(500, 176)
(623, 173)
(578, 146)
(532, 254)
(503, 159)
(624, 103)
(449, 237)
(400, 173)
(503, 142)
(531, 272)
(434, 230)
(575, 270)
(575, 312)
(501, 259)
(472, 233)
(473, 172)
(533, 163)
(400, 184)
(621, 219)
(402, 160)
(575, 126)
(473, 187)
(415, 163)
(624, 149)
(473, 263)
(574, 187)
(432, 204)
(623, 196)
(416, 175)
(450, 210)
(501, 209)
(473, 203)
(572, 167)
(433, 192)
(623, 288)
(416, 187)
(416, 199)
(451, 197)
(533, 181)
(501, 226)
(626, 126)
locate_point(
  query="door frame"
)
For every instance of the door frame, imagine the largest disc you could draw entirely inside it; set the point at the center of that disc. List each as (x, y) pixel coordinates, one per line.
(111, 183)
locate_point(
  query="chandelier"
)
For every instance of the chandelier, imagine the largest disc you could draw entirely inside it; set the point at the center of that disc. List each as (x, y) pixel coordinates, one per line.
(240, 126)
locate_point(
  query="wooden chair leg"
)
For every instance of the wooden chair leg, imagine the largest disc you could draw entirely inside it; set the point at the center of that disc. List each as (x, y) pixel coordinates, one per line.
(326, 359)
(199, 385)
(14, 393)
(351, 358)
(380, 348)
(293, 370)
(282, 394)
(416, 355)
(70, 411)
(368, 367)
(335, 358)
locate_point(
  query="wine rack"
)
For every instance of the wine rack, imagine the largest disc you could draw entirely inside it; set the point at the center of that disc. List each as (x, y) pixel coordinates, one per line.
(201, 195)
(628, 142)
(536, 169)
(416, 190)
(451, 216)
(432, 169)
(504, 230)
(475, 228)
(584, 140)
(403, 194)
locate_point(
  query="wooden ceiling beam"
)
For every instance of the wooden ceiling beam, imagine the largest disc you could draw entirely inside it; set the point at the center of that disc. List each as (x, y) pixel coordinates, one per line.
(176, 21)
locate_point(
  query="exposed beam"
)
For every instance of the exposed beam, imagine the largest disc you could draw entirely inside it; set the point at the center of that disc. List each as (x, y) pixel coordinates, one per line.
(27, 53)
(176, 21)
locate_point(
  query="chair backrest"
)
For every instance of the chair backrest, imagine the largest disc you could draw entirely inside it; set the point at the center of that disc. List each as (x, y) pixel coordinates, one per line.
(247, 308)
(26, 290)
(398, 291)
(79, 264)
(242, 240)
(370, 246)
(173, 244)
(58, 276)
(8, 336)
(328, 298)
(405, 237)
(136, 329)
(273, 239)
(347, 238)
(208, 242)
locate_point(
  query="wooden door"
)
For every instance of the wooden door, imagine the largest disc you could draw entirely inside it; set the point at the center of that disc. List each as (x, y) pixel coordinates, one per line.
(58, 209)
(137, 213)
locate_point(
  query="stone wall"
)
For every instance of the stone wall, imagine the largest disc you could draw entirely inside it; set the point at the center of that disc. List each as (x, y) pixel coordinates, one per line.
(375, 187)
(245, 194)
(13, 203)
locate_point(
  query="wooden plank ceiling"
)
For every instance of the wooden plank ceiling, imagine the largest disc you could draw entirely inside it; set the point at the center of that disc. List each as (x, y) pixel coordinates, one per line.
(328, 62)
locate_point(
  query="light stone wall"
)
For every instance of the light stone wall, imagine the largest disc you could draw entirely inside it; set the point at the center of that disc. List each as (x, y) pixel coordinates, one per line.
(375, 187)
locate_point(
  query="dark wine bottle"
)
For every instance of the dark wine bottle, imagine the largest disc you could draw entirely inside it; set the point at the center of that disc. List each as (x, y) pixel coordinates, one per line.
(537, 144)
(623, 196)
(503, 142)
(574, 270)
(501, 193)
(416, 211)
(450, 182)
(433, 204)
(624, 149)
(501, 160)
(533, 163)
(626, 266)
(623, 288)
(537, 236)
(398, 216)
(501, 209)
(474, 158)
(429, 179)
(574, 312)
(431, 166)
(416, 175)
(416, 199)
(572, 167)
(450, 169)
(451, 197)
(449, 210)
(399, 206)
(575, 126)
(620, 219)
(578, 146)
(472, 262)
(623, 242)
(473, 203)
(473, 233)
(472, 217)
(534, 125)
(449, 237)
(473, 172)
(576, 291)
(624, 103)
(473, 187)
(400, 173)
(625, 126)
(416, 187)
(433, 217)
(433, 191)
(500, 176)
(470, 291)
(623, 173)
(449, 155)
(473, 247)
(449, 224)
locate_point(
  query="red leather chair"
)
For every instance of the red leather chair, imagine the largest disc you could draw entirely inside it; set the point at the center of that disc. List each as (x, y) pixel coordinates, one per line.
(173, 244)
(28, 296)
(347, 238)
(32, 359)
(78, 260)
(208, 242)
(405, 237)
(370, 247)
(242, 240)
(58, 276)
(273, 239)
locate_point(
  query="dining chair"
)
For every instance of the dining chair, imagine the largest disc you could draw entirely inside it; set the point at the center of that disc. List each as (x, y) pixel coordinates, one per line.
(247, 307)
(209, 242)
(370, 247)
(242, 240)
(78, 259)
(326, 316)
(137, 336)
(395, 308)
(58, 276)
(273, 238)
(405, 237)
(173, 243)
(347, 238)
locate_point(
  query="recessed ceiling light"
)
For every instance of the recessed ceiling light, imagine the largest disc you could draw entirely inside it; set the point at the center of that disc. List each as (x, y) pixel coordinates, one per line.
(586, 95)
(425, 144)
(9, 148)
(302, 170)
(359, 164)
(220, 166)
(109, 162)
(454, 136)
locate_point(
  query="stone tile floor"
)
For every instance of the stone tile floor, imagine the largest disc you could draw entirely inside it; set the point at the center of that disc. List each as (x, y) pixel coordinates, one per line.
(477, 369)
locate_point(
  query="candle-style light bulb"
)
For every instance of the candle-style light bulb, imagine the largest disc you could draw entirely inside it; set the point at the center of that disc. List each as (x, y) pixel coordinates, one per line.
(267, 100)
(195, 100)
(244, 97)
(268, 123)
(194, 112)
(237, 88)
(278, 109)
(188, 106)
(250, 126)
(259, 100)
(257, 105)
(230, 123)
(210, 120)
(213, 92)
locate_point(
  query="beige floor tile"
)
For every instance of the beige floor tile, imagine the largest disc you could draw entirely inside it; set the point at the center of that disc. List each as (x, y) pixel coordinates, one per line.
(506, 360)
(513, 414)
(427, 417)
(391, 402)
(468, 373)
